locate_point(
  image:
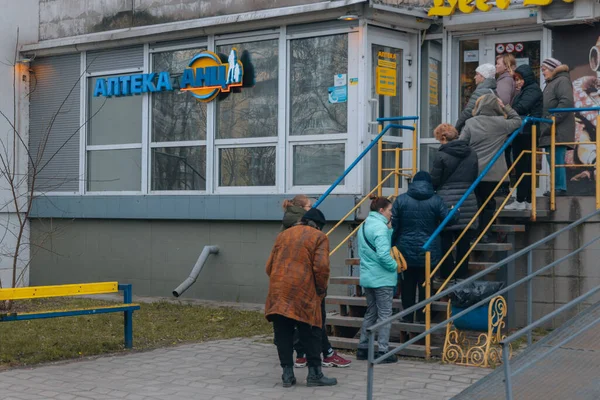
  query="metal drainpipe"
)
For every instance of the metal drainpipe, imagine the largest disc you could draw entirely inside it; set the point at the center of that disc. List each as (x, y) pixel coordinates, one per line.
(185, 285)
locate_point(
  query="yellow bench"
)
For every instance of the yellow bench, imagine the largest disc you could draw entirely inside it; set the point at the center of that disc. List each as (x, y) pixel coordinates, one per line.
(38, 292)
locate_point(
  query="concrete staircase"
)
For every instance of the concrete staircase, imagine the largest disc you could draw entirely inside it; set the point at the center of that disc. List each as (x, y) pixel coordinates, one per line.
(344, 327)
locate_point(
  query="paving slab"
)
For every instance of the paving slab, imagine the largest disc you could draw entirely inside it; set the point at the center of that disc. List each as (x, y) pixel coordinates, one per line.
(228, 369)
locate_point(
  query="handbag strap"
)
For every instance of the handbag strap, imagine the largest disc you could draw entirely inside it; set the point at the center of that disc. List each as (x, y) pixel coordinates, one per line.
(367, 240)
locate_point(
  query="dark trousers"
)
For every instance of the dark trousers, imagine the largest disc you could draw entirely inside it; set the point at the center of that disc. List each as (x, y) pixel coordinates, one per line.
(523, 142)
(461, 248)
(310, 337)
(482, 192)
(326, 348)
(413, 280)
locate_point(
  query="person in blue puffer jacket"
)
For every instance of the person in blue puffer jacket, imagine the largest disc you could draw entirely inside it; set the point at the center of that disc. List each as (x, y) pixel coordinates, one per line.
(378, 275)
(416, 214)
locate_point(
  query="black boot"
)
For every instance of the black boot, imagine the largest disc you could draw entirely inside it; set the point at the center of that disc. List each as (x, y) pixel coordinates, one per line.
(316, 378)
(362, 354)
(288, 377)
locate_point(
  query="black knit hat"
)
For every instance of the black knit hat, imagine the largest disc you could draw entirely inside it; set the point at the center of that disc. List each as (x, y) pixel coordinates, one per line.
(315, 215)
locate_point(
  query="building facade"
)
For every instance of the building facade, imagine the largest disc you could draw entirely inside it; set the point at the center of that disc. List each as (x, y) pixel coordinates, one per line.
(144, 162)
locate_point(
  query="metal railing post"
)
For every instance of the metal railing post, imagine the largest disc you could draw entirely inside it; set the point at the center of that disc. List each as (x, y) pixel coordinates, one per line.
(529, 294)
(597, 162)
(415, 149)
(507, 377)
(370, 365)
(553, 164)
(428, 307)
(379, 163)
(397, 172)
(533, 172)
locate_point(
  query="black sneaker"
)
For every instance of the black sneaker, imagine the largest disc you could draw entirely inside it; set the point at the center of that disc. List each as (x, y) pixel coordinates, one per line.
(389, 360)
(559, 193)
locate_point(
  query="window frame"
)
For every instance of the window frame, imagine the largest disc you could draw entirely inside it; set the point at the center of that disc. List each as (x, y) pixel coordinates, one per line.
(85, 122)
(284, 143)
(351, 183)
(202, 43)
(269, 141)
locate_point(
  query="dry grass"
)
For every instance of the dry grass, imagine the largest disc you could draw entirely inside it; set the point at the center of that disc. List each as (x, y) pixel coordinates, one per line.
(154, 325)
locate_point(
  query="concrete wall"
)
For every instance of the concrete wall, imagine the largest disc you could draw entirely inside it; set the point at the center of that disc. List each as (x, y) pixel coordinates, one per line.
(61, 18)
(156, 256)
(11, 18)
(569, 279)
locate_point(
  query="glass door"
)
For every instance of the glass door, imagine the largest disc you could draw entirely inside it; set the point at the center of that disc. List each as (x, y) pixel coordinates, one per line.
(525, 47)
(390, 88)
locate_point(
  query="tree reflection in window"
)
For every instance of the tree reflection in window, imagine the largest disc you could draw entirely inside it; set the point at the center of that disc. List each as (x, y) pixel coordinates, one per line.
(251, 112)
(313, 64)
(176, 116)
(247, 166)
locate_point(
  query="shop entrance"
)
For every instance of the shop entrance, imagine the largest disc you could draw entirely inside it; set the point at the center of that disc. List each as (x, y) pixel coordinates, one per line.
(390, 89)
(474, 51)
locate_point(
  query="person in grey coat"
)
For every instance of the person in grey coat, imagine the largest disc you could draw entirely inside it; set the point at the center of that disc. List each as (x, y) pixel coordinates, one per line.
(485, 78)
(486, 132)
(558, 93)
(455, 168)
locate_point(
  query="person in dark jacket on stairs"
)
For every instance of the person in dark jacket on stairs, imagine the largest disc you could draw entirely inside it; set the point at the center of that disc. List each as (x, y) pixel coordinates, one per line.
(528, 102)
(455, 168)
(416, 214)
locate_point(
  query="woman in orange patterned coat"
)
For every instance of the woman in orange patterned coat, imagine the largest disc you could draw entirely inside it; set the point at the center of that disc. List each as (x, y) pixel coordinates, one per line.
(298, 271)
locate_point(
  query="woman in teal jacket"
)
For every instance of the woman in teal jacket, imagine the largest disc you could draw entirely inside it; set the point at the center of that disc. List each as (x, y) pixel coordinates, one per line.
(378, 275)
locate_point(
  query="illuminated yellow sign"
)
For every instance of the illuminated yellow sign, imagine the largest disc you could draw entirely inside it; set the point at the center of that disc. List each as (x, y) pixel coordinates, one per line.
(444, 8)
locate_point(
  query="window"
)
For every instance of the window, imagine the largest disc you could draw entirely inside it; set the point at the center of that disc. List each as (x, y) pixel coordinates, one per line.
(179, 123)
(312, 72)
(114, 142)
(318, 124)
(246, 119)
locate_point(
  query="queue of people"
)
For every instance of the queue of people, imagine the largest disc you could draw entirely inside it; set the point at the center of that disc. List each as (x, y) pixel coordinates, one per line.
(298, 267)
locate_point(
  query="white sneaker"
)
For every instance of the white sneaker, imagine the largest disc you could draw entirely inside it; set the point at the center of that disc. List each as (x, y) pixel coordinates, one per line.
(517, 206)
(527, 205)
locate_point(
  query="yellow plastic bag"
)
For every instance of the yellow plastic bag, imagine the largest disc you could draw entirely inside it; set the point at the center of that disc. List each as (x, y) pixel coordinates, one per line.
(399, 258)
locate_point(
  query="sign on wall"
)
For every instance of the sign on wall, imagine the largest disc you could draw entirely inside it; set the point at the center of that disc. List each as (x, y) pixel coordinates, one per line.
(205, 77)
(444, 8)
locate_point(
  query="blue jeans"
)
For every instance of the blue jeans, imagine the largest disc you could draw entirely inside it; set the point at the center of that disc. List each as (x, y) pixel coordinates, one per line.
(379, 307)
(560, 179)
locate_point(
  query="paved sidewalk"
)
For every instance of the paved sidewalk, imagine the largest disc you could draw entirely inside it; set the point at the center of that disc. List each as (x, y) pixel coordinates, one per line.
(232, 369)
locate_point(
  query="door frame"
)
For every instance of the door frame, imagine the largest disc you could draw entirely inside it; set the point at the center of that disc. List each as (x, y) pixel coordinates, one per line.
(410, 55)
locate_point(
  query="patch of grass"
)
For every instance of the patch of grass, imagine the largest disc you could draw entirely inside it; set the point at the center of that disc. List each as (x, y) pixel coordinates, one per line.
(154, 325)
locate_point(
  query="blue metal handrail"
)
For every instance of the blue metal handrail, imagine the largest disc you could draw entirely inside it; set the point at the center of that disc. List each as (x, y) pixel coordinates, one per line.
(564, 110)
(471, 188)
(366, 150)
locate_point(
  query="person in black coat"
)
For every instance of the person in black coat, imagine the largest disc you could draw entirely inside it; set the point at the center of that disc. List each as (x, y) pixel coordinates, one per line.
(416, 214)
(529, 102)
(455, 168)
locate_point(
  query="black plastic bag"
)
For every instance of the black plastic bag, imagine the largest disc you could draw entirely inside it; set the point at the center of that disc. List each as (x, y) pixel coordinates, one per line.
(473, 292)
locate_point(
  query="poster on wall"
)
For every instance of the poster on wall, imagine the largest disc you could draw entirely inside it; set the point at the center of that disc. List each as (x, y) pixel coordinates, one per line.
(579, 47)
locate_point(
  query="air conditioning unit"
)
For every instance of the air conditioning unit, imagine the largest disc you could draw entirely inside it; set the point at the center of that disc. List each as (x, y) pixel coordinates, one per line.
(562, 13)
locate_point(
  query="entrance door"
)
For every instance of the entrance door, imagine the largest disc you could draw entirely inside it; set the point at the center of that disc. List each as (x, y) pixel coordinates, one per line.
(474, 51)
(390, 69)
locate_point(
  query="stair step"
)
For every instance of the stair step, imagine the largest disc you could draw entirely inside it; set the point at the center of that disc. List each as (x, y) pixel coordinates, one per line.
(356, 322)
(362, 302)
(344, 280)
(522, 214)
(480, 265)
(493, 247)
(412, 350)
(507, 228)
